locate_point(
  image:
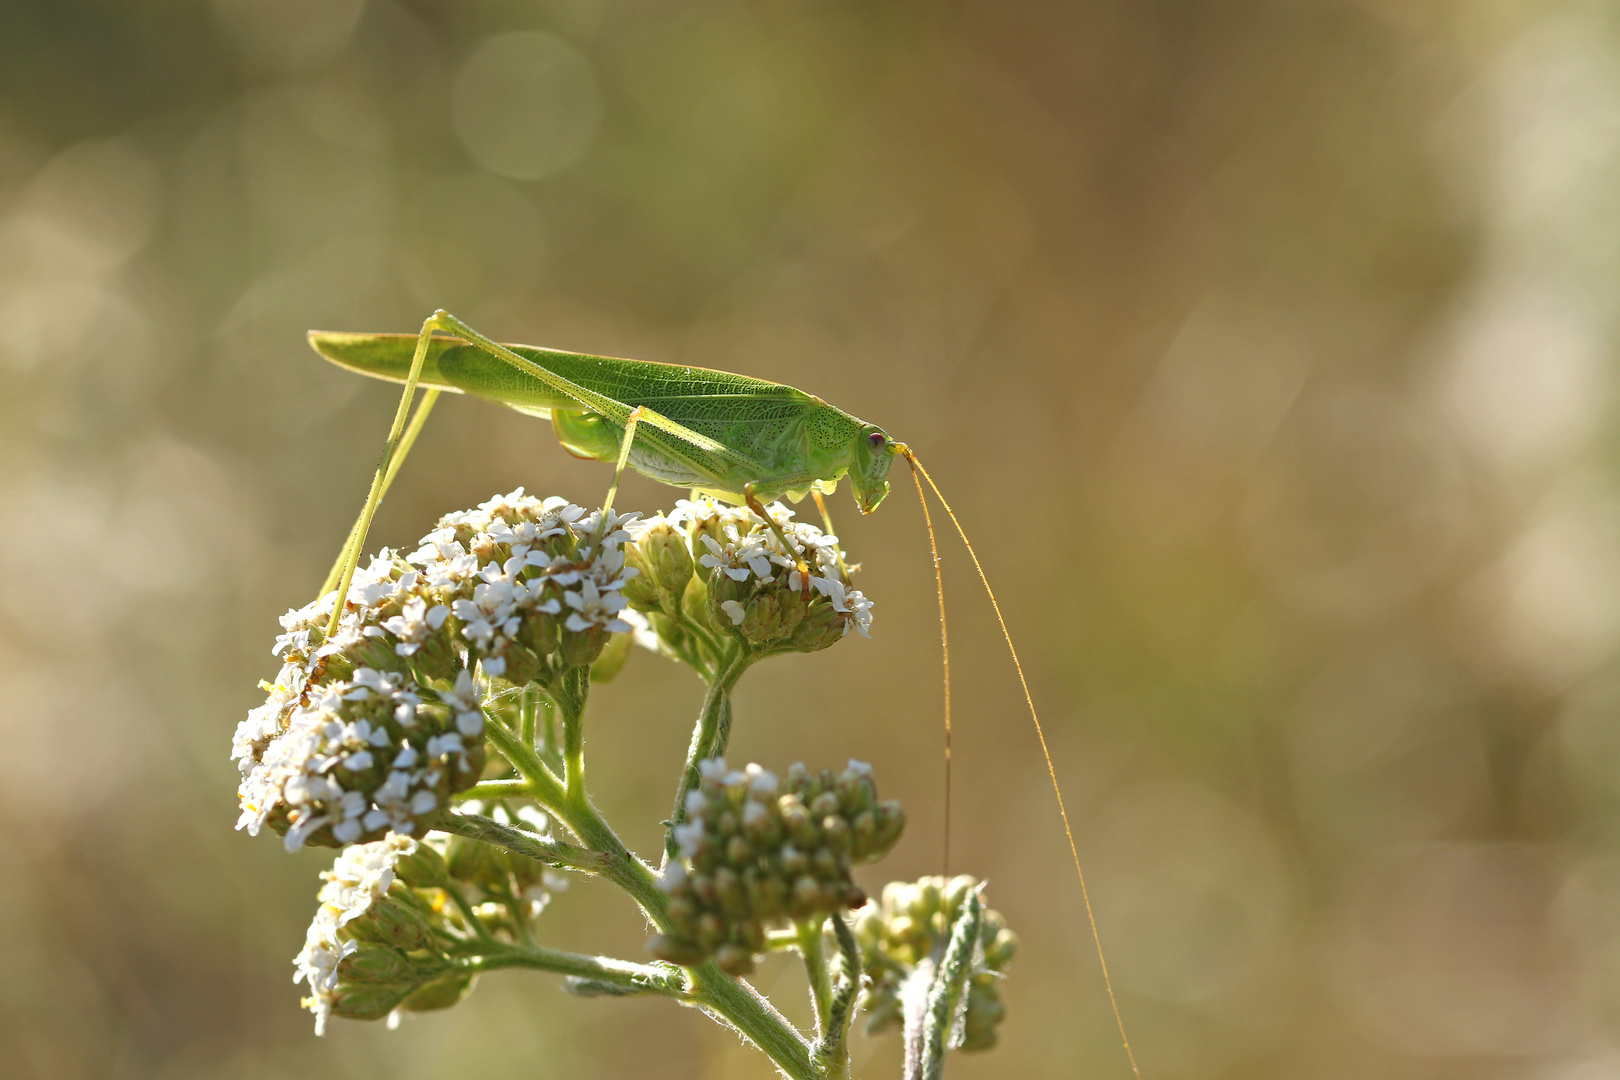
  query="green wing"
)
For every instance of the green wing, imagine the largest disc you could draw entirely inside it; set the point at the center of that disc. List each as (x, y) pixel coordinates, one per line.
(383, 356)
(762, 422)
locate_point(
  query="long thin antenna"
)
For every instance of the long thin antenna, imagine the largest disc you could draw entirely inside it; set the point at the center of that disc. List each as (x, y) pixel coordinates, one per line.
(1051, 771)
(945, 650)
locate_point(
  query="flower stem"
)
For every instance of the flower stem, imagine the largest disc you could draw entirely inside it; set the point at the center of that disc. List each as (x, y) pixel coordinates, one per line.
(528, 705)
(542, 784)
(550, 852)
(752, 1015)
(831, 1051)
(570, 697)
(815, 967)
(709, 736)
(662, 979)
(495, 789)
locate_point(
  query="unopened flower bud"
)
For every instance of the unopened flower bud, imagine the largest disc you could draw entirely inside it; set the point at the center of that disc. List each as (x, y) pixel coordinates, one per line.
(392, 920)
(734, 959)
(373, 963)
(365, 1001)
(423, 868)
(909, 924)
(441, 993)
(754, 855)
(676, 950)
(664, 556)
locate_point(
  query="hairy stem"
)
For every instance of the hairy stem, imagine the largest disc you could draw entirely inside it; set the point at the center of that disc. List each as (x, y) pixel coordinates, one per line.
(815, 968)
(709, 736)
(570, 698)
(752, 1015)
(541, 783)
(663, 979)
(831, 1052)
(551, 852)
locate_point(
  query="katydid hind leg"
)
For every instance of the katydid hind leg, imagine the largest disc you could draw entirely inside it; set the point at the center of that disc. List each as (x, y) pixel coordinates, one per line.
(1040, 734)
(706, 456)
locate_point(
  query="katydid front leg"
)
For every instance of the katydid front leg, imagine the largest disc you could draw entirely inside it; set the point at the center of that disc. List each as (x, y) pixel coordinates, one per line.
(385, 469)
(787, 545)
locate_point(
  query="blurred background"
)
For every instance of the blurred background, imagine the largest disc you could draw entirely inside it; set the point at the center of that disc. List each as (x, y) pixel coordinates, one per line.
(1267, 349)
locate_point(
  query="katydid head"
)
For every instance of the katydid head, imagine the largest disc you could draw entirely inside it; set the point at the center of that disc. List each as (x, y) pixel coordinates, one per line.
(874, 453)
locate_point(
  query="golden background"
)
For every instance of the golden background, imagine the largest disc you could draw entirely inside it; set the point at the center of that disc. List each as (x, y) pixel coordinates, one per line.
(1266, 347)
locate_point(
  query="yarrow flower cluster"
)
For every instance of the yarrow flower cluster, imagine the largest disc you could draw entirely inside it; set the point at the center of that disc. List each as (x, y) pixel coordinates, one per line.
(373, 946)
(911, 924)
(726, 570)
(461, 671)
(757, 851)
(372, 729)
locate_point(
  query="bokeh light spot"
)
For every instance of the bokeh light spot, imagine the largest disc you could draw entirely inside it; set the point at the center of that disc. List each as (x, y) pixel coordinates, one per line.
(526, 105)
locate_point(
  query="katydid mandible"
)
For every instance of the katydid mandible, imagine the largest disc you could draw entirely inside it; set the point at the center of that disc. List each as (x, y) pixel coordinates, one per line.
(738, 439)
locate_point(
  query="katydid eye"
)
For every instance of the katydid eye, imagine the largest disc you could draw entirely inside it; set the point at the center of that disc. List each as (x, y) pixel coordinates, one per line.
(877, 440)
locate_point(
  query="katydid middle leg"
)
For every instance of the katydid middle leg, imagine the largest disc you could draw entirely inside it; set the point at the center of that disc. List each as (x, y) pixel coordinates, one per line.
(618, 469)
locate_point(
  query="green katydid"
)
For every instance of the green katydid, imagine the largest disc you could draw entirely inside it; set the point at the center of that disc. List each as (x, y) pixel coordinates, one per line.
(738, 439)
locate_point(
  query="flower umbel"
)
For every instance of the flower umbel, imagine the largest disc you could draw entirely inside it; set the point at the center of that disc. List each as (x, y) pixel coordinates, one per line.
(372, 730)
(373, 944)
(910, 924)
(757, 851)
(432, 723)
(723, 570)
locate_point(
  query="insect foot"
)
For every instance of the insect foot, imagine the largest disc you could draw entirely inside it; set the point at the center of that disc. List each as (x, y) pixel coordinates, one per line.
(907, 933)
(757, 852)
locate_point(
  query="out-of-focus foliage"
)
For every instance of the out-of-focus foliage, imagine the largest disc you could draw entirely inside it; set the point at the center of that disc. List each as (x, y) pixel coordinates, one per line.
(1268, 349)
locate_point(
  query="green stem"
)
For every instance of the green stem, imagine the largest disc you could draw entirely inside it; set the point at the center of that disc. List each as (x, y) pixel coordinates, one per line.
(945, 995)
(709, 737)
(662, 979)
(513, 788)
(542, 784)
(705, 640)
(815, 967)
(528, 705)
(467, 912)
(831, 1052)
(551, 852)
(752, 1015)
(570, 699)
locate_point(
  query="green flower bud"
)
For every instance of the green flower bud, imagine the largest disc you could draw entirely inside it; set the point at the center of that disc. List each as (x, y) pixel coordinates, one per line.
(441, 993)
(540, 631)
(372, 963)
(366, 1001)
(394, 920)
(676, 950)
(752, 855)
(664, 557)
(911, 923)
(423, 868)
(613, 657)
(582, 649)
(821, 628)
(735, 960)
